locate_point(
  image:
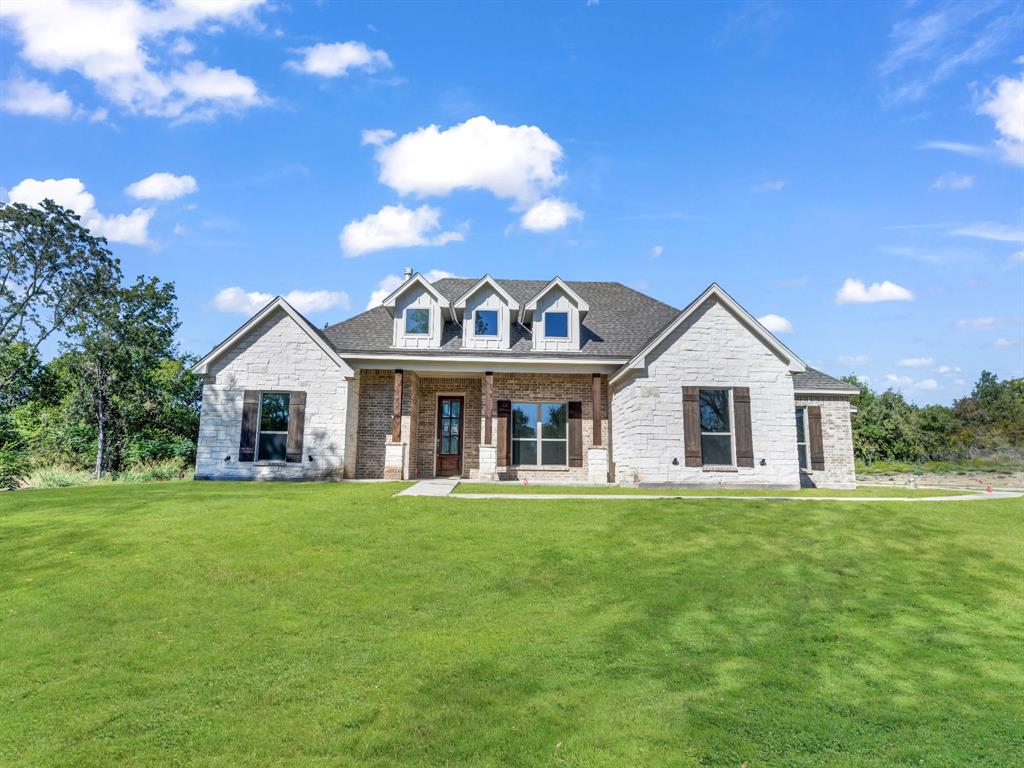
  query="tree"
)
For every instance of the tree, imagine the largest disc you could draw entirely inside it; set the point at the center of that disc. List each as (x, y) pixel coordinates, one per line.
(52, 271)
(113, 354)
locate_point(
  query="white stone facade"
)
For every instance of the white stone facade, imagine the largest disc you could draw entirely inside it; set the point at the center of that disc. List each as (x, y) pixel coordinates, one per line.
(712, 348)
(276, 355)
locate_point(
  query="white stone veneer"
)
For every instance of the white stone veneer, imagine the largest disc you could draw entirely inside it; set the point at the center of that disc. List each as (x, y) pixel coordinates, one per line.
(711, 349)
(276, 355)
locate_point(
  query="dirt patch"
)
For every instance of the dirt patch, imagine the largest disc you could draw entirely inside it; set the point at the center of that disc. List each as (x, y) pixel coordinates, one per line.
(979, 480)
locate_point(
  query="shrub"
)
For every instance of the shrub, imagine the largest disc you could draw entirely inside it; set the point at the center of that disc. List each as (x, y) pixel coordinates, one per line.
(152, 471)
(58, 477)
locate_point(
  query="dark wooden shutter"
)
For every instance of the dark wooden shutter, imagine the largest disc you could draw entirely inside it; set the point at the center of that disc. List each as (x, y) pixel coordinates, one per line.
(691, 427)
(250, 427)
(744, 438)
(296, 425)
(504, 437)
(575, 433)
(814, 427)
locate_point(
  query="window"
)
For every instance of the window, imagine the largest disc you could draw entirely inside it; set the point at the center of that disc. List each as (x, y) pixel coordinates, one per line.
(417, 321)
(715, 427)
(540, 434)
(273, 439)
(485, 322)
(801, 436)
(556, 325)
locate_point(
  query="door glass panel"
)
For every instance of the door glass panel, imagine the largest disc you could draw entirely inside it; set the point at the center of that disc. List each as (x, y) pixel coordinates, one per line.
(454, 429)
(454, 444)
(446, 407)
(444, 444)
(456, 407)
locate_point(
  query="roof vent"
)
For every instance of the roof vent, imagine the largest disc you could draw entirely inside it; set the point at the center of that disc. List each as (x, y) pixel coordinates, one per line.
(408, 273)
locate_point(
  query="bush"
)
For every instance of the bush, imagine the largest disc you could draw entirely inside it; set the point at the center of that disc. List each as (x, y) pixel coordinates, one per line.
(153, 471)
(58, 477)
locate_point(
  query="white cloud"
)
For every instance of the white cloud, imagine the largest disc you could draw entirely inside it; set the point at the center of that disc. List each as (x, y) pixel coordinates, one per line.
(916, 362)
(550, 214)
(1017, 257)
(1005, 105)
(117, 47)
(162, 186)
(1006, 343)
(389, 283)
(336, 59)
(512, 162)
(776, 323)
(377, 136)
(977, 323)
(953, 181)
(947, 370)
(853, 359)
(394, 226)
(776, 185)
(987, 230)
(905, 382)
(240, 301)
(656, 251)
(130, 228)
(960, 148)
(33, 97)
(854, 292)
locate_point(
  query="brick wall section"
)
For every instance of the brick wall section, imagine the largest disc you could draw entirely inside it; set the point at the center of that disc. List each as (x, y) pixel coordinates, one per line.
(276, 355)
(552, 388)
(376, 389)
(837, 441)
(428, 389)
(712, 348)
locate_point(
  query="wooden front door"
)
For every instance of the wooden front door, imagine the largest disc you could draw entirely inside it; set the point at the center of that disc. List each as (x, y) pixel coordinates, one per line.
(449, 436)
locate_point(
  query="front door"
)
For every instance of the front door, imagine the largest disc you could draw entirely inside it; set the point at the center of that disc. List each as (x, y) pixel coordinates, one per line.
(449, 436)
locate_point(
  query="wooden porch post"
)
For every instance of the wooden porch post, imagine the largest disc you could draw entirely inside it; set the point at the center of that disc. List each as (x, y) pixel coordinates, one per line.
(396, 410)
(488, 400)
(595, 407)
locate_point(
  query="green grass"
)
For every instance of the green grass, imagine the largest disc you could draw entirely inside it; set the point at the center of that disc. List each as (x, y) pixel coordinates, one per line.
(954, 467)
(218, 624)
(604, 490)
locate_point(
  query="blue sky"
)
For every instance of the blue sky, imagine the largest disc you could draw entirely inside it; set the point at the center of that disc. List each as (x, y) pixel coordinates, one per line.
(854, 170)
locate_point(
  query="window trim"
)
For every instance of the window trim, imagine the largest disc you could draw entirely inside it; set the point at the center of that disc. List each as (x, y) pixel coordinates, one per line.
(547, 335)
(417, 309)
(259, 425)
(497, 324)
(806, 443)
(731, 433)
(539, 439)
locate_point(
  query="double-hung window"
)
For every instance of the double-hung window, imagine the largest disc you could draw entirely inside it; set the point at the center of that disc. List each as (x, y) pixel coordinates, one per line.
(716, 439)
(273, 437)
(485, 322)
(801, 436)
(540, 434)
(417, 322)
(556, 325)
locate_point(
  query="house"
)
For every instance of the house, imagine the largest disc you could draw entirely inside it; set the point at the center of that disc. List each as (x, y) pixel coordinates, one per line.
(522, 379)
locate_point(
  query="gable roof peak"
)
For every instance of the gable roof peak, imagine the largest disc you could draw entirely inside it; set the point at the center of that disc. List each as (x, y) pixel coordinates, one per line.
(460, 303)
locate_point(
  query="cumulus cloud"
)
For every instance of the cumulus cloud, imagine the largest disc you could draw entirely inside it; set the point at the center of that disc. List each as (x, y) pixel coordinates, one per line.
(854, 292)
(389, 283)
(336, 59)
(1005, 105)
(240, 301)
(511, 162)
(549, 214)
(776, 323)
(162, 186)
(118, 47)
(394, 226)
(953, 181)
(948, 370)
(915, 362)
(33, 97)
(853, 359)
(375, 137)
(906, 382)
(132, 228)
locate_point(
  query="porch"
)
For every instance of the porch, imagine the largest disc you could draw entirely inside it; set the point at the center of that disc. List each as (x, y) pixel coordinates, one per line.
(485, 425)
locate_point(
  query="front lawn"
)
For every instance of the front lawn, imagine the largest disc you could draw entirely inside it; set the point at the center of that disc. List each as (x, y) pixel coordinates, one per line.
(219, 624)
(887, 491)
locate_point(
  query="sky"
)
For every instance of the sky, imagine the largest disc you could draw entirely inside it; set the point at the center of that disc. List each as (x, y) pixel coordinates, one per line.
(853, 174)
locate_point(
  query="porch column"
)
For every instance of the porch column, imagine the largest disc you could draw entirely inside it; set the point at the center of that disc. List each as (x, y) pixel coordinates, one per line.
(488, 451)
(597, 456)
(394, 449)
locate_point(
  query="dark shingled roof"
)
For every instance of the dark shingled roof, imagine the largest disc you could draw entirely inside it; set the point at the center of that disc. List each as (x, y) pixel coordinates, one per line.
(815, 379)
(620, 322)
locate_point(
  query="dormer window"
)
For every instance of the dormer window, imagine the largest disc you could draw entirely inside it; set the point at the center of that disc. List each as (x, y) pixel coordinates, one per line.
(485, 322)
(417, 321)
(556, 325)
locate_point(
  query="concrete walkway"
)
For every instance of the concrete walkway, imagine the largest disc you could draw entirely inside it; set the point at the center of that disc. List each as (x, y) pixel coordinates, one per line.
(441, 486)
